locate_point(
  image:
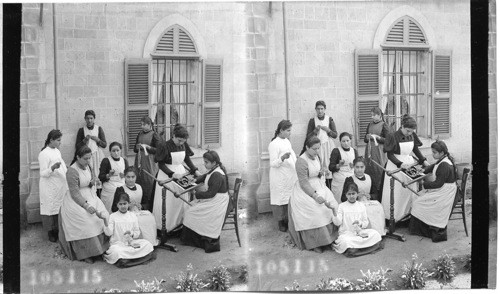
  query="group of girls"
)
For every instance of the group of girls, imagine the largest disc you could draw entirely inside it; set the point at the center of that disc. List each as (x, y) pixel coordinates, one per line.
(116, 222)
(310, 194)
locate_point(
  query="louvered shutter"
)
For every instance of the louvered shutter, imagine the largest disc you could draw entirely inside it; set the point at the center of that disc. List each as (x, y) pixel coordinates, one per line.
(405, 32)
(176, 42)
(441, 95)
(368, 73)
(137, 83)
(212, 102)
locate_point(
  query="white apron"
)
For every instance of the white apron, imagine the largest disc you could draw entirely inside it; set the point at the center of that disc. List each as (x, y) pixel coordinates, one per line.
(78, 224)
(327, 144)
(174, 206)
(338, 178)
(97, 153)
(402, 196)
(434, 207)
(363, 186)
(206, 216)
(282, 175)
(109, 187)
(118, 249)
(53, 185)
(306, 212)
(347, 214)
(146, 220)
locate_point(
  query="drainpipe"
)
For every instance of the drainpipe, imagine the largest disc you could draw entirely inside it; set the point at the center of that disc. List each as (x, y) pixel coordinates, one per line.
(54, 29)
(287, 82)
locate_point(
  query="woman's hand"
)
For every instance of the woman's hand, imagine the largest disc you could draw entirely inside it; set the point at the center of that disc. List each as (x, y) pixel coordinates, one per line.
(197, 173)
(319, 199)
(92, 182)
(405, 166)
(426, 164)
(89, 208)
(55, 166)
(285, 156)
(341, 162)
(326, 129)
(111, 173)
(122, 175)
(95, 138)
(177, 176)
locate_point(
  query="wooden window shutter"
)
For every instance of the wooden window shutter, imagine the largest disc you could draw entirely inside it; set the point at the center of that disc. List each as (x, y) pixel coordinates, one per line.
(368, 73)
(212, 104)
(441, 95)
(137, 92)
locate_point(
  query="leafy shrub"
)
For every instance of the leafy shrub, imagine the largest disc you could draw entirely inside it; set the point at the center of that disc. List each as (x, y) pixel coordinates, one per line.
(373, 280)
(414, 275)
(104, 290)
(444, 268)
(219, 279)
(295, 287)
(189, 282)
(243, 273)
(332, 284)
(148, 287)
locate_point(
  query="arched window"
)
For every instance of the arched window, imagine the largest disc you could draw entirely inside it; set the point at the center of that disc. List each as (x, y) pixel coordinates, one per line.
(405, 76)
(175, 86)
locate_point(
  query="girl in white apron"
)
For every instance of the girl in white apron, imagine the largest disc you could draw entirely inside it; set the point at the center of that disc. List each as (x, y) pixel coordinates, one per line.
(399, 146)
(311, 221)
(81, 228)
(431, 210)
(204, 220)
(146, 220)
(341, 164)
(111, 174)
(282, 175)
(93, 136)
(323, 127)
(170, 155)
(53, 185)
(367, 188)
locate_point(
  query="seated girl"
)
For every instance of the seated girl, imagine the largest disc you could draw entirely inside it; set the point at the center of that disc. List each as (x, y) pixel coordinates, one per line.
(367, 190)
(204, 220)
(354, 237)
(430, 211)
(126, 249)
(147, 223)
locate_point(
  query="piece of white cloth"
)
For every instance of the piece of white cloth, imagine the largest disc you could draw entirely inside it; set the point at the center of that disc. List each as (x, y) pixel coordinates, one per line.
(174, 207)
(434, 207)
(206, 216)
(363, 186)
(97, 153)
(77, 222)
(119, 223)
(115, 181)
(402, 196)
(145, 149)
(282, 175)
(306, 212)
(374, 137)
(53, 185)
(147, 223)
(348, 213)
(345, 171)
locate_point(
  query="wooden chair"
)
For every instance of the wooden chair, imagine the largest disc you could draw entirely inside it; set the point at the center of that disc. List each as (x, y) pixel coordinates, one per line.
(459, 203)
(232, 210)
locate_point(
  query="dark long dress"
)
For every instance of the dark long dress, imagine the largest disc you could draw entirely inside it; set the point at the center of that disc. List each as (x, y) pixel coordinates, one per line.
(147, 163)
(376, 153)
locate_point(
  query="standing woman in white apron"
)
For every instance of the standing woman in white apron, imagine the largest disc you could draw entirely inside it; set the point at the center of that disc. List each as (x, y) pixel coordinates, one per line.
(399, 146)
(342, 164)
(323, 127)
(204, 220)
(282, 175)
(430, 211)
(170, 155)
(112, 174)
(92, 135)
(53, 183)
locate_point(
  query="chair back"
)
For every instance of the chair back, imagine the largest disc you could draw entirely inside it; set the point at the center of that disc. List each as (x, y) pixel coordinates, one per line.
(463, 185)
(237, 185)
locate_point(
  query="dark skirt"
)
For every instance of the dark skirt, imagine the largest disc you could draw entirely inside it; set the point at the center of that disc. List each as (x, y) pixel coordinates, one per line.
(85, 248)
(50, 222)
(313, 238)
(136, 261)
(191, 238)
(280, 212)
(418, 227)
(355, 252)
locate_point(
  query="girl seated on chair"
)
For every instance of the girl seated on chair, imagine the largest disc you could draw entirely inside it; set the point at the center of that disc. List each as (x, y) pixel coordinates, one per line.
(431, 210)
(203, 220)
(367, 190)
(354, 237)
(126, 249)
(147, 223)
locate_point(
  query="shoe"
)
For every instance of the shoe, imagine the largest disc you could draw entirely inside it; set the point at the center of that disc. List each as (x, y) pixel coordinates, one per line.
(318, 250)
(89, 260)
(52, 236)
(281, 226)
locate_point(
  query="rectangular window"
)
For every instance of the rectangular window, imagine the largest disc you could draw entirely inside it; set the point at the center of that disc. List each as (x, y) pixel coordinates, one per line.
(405, 87)
(175, 96)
